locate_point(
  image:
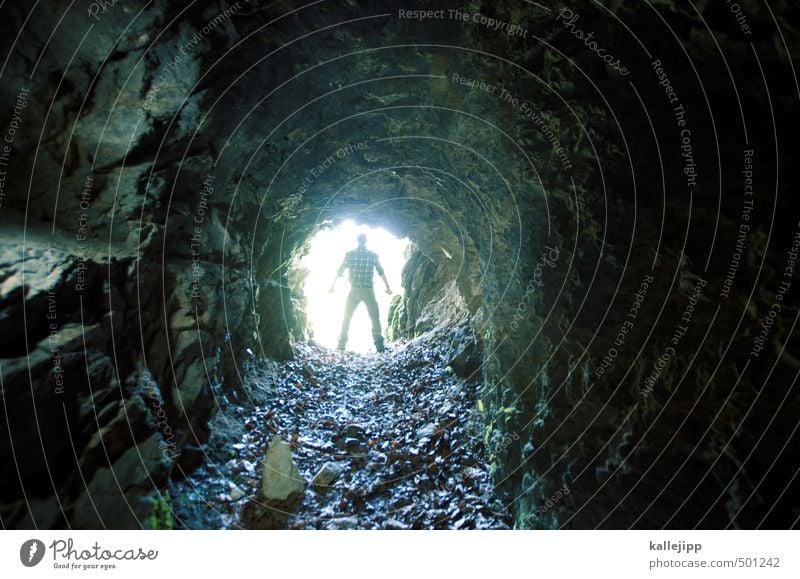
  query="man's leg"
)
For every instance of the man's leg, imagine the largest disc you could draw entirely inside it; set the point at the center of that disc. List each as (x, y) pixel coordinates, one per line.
(374, 316)
(349, 307)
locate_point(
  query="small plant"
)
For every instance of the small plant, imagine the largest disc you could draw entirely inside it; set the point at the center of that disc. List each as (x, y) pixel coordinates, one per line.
(160, 517)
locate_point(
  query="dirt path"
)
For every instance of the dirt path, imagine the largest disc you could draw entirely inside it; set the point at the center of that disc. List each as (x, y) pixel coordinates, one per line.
(402, 426)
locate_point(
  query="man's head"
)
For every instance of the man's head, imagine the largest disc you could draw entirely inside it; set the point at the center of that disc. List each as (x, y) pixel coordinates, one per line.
(362, 239)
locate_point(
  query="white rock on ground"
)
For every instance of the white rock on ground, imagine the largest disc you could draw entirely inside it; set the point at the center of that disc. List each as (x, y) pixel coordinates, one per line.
(329, 472)
(281, 477)
(426, 431)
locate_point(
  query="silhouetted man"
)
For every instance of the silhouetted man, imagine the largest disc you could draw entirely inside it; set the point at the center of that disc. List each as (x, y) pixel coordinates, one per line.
(361, 262)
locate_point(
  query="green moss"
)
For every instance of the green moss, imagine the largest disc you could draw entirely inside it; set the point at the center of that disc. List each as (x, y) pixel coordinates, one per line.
(397, 309)
(160, 517)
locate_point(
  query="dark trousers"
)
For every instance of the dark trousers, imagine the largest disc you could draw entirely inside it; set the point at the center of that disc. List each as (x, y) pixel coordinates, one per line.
(355, 297)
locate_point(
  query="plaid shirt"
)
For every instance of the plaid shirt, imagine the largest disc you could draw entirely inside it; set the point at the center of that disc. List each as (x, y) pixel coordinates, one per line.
(360, 262)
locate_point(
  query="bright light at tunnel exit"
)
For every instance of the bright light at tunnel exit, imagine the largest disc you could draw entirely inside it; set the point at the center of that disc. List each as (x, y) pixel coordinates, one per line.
(324, 310)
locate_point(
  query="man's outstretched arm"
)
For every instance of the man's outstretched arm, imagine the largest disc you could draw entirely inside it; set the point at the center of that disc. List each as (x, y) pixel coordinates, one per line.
(338, 275)
(382, 275)
(386, 283)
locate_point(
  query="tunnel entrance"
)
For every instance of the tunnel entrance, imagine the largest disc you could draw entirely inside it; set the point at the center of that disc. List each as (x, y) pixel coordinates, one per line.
(324, 310)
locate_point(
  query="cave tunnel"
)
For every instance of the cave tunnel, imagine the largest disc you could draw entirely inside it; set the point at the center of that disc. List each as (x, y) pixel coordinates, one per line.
(594, 323)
